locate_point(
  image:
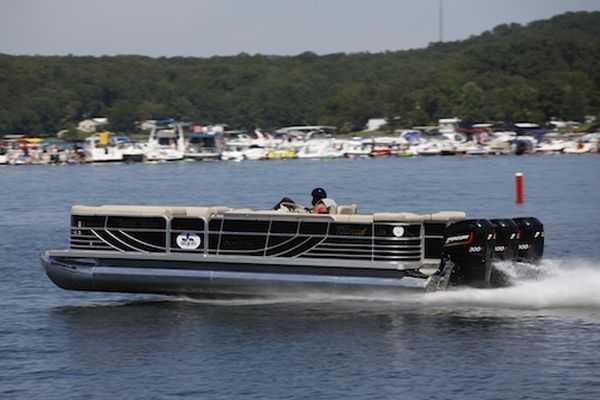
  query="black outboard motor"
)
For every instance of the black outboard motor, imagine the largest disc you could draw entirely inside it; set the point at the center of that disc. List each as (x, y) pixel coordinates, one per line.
(531, 239)
(469, 246)
(507, 239)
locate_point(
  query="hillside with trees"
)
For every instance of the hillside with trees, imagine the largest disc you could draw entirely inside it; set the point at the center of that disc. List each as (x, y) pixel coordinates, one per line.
(533, 72)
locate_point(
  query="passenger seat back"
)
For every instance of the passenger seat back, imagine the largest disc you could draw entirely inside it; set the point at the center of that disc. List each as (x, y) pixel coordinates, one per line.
(349, 209)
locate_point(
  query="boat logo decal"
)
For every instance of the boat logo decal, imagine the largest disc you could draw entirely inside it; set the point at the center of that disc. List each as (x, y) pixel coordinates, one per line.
(457, 238)
(188, 241)
(398, 231)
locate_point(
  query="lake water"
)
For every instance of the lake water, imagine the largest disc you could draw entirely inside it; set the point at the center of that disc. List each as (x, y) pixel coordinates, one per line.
(538, 340)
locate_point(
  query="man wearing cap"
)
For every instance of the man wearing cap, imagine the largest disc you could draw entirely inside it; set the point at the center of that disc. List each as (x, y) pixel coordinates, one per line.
(321, 203)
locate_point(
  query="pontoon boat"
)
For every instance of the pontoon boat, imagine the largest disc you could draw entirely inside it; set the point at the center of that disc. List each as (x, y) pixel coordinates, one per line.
(223, 251)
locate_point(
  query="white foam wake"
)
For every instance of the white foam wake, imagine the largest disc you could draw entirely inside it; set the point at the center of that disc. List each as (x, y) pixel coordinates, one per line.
(552, 284)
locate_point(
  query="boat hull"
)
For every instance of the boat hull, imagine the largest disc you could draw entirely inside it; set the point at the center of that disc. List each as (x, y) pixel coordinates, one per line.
(203, 156)
(164, 275)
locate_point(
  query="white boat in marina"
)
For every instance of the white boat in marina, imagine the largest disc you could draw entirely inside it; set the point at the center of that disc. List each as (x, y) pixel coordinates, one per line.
(357, 149)
(551, 146)
(101, 148)
(307, 132)
(320, 148)
(255, 152)
(448, 148)
(205, 146)
(165, 144)
(19, 159)
(501, 143)
(577, 148)
(247, 146)
(478, 151)
(406, 151)
(593, 139)
(239, 153)
(431, 148)
(132, 152)
(385, 146)
(473, 149)
(3, 156)
(232, 153)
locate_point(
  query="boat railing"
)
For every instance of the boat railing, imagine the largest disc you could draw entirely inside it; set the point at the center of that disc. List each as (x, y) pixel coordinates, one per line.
(266, 236)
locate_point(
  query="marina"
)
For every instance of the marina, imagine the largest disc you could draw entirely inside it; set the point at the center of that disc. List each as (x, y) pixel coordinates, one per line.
(174, 141)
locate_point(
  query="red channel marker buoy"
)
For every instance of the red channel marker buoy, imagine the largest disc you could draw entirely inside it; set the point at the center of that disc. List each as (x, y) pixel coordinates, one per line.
(520, 194)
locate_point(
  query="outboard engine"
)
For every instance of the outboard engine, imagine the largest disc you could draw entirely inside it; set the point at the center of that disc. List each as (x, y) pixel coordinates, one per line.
(507, 239)
(531, 239)
(469, 246)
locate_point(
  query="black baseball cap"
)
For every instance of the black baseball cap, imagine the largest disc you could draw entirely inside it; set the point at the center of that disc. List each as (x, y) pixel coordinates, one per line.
(318, 194)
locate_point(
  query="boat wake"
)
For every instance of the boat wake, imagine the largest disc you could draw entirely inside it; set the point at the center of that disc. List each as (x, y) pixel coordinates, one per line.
(550, 284)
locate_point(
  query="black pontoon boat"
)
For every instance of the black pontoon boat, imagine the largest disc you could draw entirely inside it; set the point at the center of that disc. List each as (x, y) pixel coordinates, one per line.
(223, 251)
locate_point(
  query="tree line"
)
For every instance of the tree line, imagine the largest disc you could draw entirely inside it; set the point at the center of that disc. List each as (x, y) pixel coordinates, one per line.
(533, 72)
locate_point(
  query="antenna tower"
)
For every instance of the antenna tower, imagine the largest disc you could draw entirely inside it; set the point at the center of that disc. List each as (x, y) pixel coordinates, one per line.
(441, 25)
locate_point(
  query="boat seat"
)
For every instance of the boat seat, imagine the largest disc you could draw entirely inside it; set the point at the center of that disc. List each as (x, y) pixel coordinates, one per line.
(148, 211)
(400, 217)
(122, 210)
(344, 213)
(348, 209)
(203, 212)
(353, 219)
(448, 216)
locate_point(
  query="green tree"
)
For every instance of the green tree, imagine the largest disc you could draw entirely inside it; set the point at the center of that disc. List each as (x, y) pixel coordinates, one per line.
(471, 103)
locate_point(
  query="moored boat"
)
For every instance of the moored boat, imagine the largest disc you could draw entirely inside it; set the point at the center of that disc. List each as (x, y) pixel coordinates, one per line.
(165, 143)
(205, 146)
(101, 148)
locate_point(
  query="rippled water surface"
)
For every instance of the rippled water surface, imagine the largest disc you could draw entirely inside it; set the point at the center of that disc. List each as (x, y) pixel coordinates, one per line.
(539, 339)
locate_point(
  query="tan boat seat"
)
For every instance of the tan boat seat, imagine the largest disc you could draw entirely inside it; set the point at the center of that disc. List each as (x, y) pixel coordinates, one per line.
(147, 211)
(353, 219)
(349, 209)
(345, 213)
(400, 217)
(448, 216)
(201, 212)
(121, 210)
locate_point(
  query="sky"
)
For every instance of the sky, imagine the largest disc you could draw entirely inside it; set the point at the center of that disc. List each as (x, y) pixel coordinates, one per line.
(205, 28)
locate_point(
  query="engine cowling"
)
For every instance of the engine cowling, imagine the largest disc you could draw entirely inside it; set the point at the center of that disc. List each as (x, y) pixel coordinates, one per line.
(531, 239)
(507, 239)
(468, 244)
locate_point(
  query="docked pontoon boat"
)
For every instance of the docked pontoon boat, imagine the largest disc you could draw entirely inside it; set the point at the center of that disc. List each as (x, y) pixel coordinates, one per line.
(222, 251)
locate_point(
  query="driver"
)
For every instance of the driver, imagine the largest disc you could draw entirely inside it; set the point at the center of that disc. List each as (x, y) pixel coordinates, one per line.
(321, 203)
